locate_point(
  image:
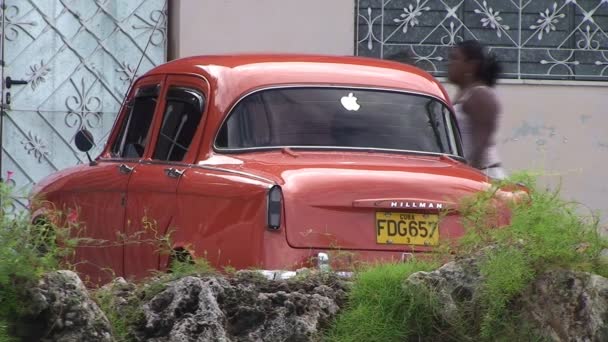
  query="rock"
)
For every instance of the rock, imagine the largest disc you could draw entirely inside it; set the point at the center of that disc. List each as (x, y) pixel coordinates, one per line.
(247, 307)
(119, 292)
(569, 306)
(61, 310)
(453, 283)
(603, 258)
(563, 305)
(187, 310)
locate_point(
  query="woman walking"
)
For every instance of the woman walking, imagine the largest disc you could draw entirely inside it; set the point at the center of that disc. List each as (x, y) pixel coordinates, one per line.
(477, 106)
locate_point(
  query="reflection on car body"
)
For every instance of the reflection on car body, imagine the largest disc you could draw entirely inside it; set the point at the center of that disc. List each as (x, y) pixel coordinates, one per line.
(273, 162)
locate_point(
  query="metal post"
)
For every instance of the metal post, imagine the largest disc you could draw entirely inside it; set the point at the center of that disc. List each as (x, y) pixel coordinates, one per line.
(2, 113)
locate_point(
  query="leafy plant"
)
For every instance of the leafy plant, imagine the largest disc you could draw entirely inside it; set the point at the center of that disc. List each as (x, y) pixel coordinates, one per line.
(27, 251)
(123, 313)
(381, 309)
(545, 232)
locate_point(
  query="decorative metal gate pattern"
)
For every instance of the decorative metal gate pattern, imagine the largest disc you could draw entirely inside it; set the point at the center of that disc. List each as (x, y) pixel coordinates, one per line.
(539, 39)
(78, 58)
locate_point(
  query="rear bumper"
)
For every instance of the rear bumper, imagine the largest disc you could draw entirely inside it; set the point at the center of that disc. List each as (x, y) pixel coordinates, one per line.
(341, 262)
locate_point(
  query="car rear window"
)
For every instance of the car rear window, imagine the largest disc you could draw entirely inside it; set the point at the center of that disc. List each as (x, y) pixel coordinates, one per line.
(337, 117)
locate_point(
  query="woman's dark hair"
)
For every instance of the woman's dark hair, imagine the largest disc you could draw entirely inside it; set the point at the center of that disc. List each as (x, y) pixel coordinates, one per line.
(489, 67)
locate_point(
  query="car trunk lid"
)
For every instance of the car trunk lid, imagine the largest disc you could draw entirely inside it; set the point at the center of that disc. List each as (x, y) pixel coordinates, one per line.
(367, 201)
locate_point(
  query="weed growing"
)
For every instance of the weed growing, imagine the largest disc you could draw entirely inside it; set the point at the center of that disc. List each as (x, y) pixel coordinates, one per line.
(4, 335)
(123, 312)
(545, 233)
(381, 309)
(27, 251)
(123, 302)
(30, 249)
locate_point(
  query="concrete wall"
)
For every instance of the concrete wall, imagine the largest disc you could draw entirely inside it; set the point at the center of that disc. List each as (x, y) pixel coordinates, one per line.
(232, 26)
(559, 128)
(561, 131)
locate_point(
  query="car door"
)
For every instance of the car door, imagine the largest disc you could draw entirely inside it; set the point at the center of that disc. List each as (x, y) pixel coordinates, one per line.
(99, 192)
(152, 190)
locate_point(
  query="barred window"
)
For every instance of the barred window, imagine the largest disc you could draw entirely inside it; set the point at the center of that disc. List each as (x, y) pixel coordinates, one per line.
(534, 39)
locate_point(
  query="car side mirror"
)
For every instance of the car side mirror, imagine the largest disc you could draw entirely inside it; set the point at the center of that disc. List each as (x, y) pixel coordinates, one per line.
(84, 141)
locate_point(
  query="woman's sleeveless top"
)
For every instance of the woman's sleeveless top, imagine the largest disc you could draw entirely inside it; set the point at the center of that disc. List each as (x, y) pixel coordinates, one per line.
(490, 155)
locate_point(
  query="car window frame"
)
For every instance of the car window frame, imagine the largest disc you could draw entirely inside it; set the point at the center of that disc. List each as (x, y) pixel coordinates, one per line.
(194, 82)
(202, 105)
(453, 131)
(453, 137)
(125, 110)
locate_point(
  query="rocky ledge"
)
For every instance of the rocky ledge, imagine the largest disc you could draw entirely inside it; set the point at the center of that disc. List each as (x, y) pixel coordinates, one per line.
(562, 305)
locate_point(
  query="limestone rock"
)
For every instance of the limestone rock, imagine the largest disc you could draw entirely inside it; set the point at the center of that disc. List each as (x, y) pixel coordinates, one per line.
(247, 307)
(62, 311)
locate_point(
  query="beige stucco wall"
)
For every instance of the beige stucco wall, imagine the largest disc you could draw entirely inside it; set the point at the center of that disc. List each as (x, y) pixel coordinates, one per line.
(561, 131)
(559, 128)
(232, 26)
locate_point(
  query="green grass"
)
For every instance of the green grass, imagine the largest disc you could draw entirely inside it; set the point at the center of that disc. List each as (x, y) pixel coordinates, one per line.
(4, 335)
(121, 320)
(380, 309)
(27, 251)
(545, 233)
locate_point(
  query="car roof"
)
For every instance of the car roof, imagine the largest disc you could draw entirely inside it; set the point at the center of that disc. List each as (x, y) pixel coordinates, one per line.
(245, 72)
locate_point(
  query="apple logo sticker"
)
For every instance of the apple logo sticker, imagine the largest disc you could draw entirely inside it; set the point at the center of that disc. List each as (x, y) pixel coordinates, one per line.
(350, 102)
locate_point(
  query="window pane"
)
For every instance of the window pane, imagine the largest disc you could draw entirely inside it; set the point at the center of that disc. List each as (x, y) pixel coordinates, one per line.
(333, 117)
(133, 137)
(181, 118)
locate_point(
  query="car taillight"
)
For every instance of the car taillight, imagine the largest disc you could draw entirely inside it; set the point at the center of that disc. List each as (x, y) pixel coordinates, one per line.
(275, 207)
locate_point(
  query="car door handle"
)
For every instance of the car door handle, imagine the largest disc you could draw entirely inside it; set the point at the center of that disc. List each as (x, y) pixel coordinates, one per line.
(173, 172)
(125, 169)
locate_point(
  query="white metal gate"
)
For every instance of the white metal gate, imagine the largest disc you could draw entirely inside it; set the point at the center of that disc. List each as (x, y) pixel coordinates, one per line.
(66, 64)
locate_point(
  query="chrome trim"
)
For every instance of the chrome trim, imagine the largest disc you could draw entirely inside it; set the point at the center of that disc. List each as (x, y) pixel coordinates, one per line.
(193, 166)
(283, 275)
(119, 160)
(405, 257)
(125, 169)
(240, 173)
(173, 172)
(342, 148)
(323, 261)
(278, 274)
(451, 133)
(343, 86)
(163, 162)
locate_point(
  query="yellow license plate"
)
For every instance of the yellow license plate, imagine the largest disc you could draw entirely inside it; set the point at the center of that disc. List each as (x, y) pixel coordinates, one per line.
(407, 229)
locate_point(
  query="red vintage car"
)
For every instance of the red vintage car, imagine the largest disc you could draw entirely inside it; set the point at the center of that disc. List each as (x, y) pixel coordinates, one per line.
(273, 162)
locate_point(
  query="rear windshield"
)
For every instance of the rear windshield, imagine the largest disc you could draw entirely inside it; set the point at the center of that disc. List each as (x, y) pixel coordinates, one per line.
(338, 117)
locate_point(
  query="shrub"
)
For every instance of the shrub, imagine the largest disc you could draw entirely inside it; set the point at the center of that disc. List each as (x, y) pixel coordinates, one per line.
(544, 233)
(381, 309)
(125, 311)
(27, 251)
